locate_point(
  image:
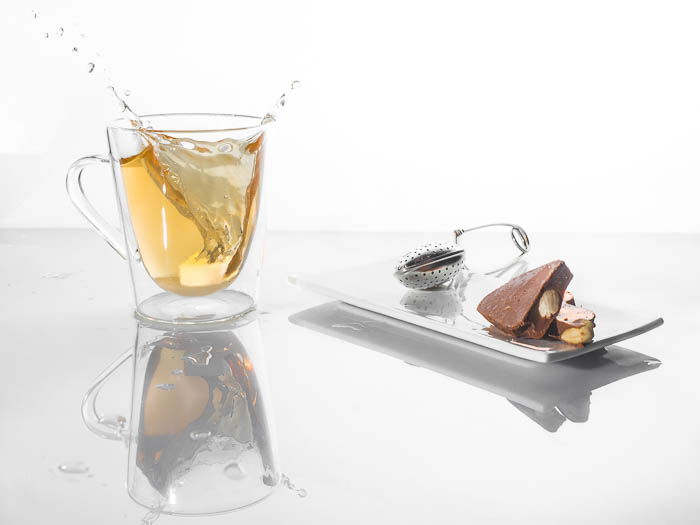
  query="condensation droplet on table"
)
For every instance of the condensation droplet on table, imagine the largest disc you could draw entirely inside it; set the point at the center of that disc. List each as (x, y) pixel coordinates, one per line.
(73, 467)
(198, 436)
(355, 326)
(302, 493)
(91, 67)
(165, 386)
(150, 517)
(235, 471)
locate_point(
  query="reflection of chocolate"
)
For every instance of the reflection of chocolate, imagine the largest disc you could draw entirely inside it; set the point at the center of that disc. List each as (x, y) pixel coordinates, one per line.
(515, 308)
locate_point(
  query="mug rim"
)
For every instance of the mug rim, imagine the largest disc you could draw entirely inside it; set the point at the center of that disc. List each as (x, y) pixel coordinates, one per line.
(124, 123)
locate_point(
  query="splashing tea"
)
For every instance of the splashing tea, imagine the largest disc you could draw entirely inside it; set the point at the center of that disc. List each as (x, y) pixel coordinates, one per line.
(193, 207)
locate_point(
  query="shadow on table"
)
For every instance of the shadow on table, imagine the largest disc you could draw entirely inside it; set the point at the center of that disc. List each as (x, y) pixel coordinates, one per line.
(549, 394)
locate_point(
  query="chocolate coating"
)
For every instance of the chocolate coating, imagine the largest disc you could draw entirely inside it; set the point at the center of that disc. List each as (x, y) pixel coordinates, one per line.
(513, 308)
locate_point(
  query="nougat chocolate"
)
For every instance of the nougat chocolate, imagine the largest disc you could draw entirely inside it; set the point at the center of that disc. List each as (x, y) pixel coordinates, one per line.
(527, 304)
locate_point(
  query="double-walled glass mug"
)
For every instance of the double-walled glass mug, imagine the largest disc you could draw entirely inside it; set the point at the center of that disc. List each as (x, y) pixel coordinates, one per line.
(199, 435)
(189, 193)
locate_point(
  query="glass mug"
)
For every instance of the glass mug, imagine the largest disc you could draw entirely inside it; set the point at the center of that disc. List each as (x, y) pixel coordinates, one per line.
(189, 193)
(199, 437)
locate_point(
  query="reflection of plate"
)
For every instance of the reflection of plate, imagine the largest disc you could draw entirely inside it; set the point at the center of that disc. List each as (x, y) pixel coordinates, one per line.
(373, 288)
(547, 394)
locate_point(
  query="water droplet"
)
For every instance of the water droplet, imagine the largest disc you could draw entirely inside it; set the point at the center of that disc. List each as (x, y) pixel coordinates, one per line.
(75, 50)
(165, 386)
(197, 436)
(296, 84)
(235, 471)
(73, 467)
(357, 327)
(46, 35)
(150, 517)
(225, 147)
(302, 493)
(177, 372)
(60, 31)
(35, 14)
(127, 93)
(91, 67)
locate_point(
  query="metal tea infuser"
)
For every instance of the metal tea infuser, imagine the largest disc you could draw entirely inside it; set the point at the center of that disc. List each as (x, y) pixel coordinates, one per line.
(437, 263)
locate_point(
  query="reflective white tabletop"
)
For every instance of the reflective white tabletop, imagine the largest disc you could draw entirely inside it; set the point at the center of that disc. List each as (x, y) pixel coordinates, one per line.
(378, 422)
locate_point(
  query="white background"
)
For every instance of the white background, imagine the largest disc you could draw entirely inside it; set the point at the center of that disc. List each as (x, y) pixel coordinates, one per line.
(559, 115)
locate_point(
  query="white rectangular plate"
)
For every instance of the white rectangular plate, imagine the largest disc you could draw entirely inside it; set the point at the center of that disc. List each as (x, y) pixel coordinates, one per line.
(452, 311)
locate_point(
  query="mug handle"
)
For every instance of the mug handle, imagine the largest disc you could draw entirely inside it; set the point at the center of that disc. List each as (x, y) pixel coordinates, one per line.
(106, 426)
(76, 193)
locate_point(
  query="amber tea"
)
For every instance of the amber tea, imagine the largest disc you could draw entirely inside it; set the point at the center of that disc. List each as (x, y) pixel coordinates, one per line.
(193, 207)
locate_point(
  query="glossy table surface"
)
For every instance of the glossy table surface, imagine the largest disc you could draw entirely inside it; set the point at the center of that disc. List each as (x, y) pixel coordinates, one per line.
(378, 422)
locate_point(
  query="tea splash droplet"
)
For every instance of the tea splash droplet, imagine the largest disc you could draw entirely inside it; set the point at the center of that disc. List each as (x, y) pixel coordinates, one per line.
(75, 50)
(91, 67)
(73, 467)
(60, 31)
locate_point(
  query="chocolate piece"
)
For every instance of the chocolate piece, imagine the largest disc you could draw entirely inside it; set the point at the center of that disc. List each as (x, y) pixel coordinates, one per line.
(527, 304)
(569, 298)
(573, 325)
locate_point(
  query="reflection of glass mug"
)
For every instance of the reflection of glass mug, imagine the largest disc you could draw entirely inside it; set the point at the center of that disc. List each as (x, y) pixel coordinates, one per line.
(188, 187)
(199, 437)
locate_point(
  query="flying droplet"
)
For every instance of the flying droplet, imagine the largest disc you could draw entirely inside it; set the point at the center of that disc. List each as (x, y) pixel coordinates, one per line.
(73, 467)
(60, 31)
(35, 14)
(75, 50)
(198, 436)
(296, 84)
(127, 93)
(46, 35)
(235, 471)
(91, 67)
(165, 386)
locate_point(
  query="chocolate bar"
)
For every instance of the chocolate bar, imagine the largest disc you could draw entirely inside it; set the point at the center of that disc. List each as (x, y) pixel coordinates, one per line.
(573, 325)
(527, 304)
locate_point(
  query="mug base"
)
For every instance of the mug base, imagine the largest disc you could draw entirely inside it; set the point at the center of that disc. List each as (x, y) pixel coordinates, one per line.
(218, 307)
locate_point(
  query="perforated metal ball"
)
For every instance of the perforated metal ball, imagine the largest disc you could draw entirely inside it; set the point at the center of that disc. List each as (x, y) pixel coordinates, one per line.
(430, 265)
